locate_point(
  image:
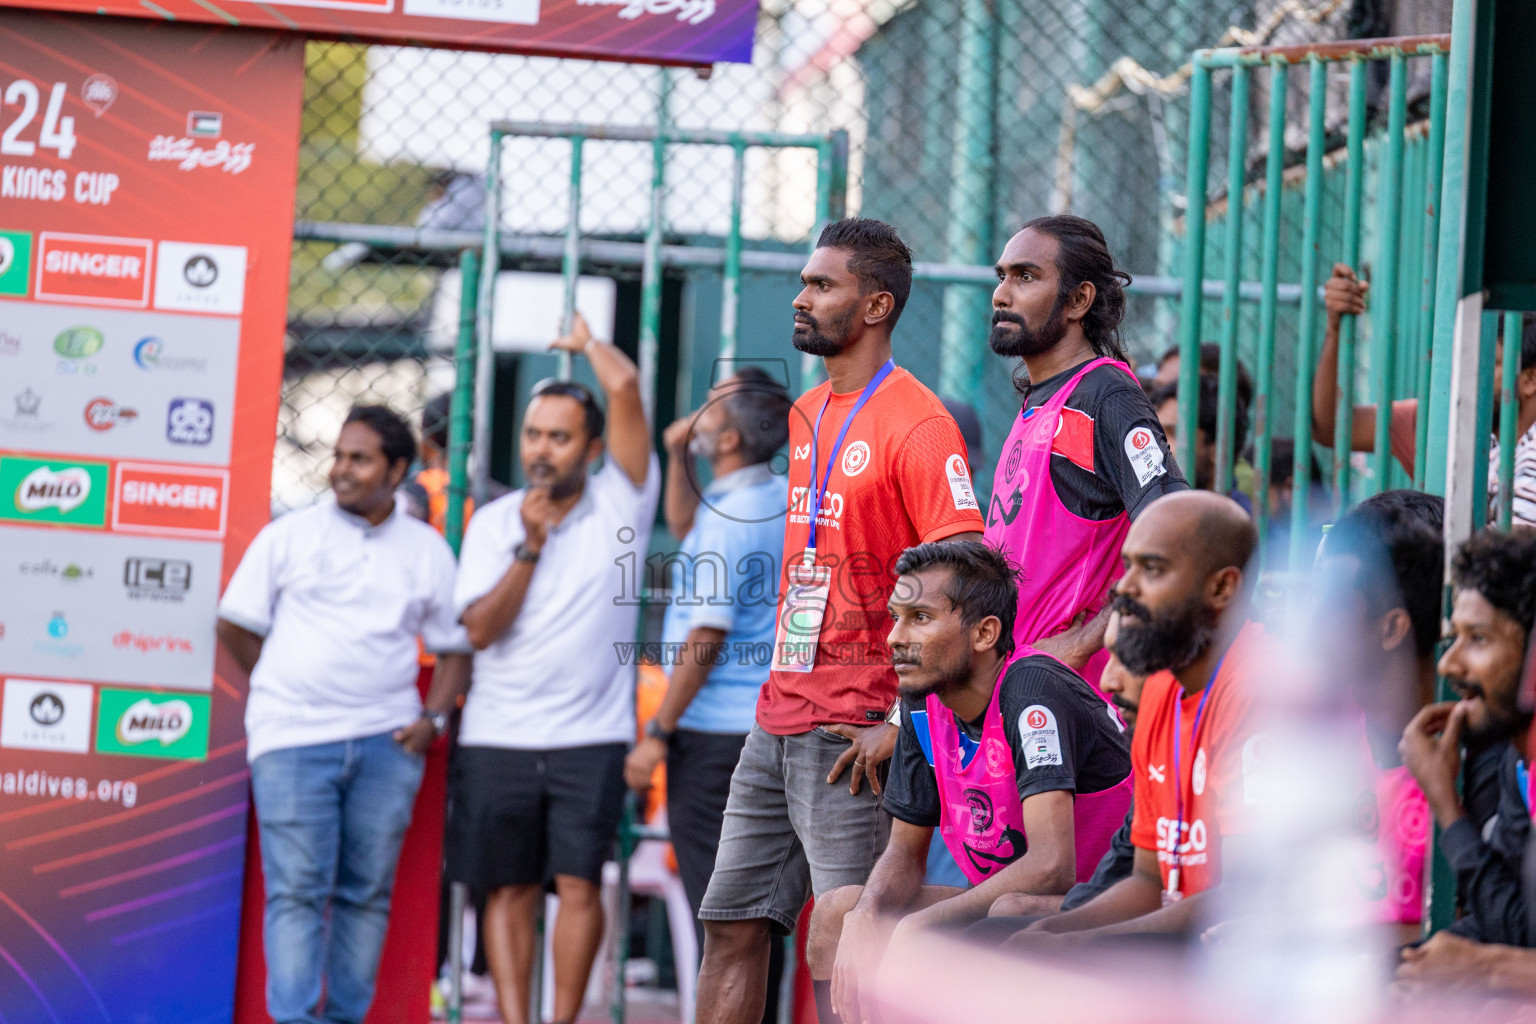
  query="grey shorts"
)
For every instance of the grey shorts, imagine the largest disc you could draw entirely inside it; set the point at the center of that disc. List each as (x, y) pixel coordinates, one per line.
(788, 833)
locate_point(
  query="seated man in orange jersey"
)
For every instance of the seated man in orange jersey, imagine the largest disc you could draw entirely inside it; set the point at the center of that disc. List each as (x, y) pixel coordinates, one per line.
(1183, 620)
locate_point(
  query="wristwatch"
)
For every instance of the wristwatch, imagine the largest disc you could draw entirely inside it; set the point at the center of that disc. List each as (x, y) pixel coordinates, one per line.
(439, 720)
(524, 553)
(654, 731)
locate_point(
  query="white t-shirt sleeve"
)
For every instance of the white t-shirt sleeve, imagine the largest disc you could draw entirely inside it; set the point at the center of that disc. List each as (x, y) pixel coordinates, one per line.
(486, 554)
(441, 632)
(638, 504)
(251, 597)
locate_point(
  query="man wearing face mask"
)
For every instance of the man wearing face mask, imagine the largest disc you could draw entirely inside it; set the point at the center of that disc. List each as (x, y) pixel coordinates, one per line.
(1086, 453)
(720, 615)
(1491, 619)
(538, 779)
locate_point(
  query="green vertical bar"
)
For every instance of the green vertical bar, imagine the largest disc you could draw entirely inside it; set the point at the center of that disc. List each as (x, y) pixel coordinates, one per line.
(1388, 254)
(461, 408)
(1194, 266)
(730, 294)
(972, 199)
(570, 264)
(1306, 340)
(1509, 418)
(1274, 169)
(1226, 393)
(650, 269)
(1344, 416)
(1489, 338)
(810, 366)
(1434, 181)
(485, 310)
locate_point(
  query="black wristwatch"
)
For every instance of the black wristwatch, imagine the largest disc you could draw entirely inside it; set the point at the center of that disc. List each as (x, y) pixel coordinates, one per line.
(654, 731)
(439, 720)
(524, 553)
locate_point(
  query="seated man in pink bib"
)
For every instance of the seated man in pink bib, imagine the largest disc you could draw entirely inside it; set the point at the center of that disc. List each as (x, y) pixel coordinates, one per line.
(1019, 763)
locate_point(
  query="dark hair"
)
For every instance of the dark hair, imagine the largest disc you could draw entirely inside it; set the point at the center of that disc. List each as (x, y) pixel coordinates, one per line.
(1400, 530)
(1210, 393)
(394, 433)
(981, 582)
(1210, 362)
(757, 407)
(594, 418)
(876, 255)
(435, 419)
(1527, 341)
(1083, 255)
(1502, 568)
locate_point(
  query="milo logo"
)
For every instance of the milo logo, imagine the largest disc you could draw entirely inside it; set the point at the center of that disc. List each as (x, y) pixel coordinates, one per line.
(63, 489)
(144, 720)
(79, 342)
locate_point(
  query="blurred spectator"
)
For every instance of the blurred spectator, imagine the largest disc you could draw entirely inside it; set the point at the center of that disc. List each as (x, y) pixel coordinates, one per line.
(324, 611)
(537, 781)
(433, 475)
(1165, 398)
(720, 610)
(1491, 618)
(1382, 565)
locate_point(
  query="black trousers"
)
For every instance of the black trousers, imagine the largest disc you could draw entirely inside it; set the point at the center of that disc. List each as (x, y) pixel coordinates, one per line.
(699, 768)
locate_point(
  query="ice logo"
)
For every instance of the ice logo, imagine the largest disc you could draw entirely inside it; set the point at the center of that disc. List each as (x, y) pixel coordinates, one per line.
(144, 720)
(7, 254)
(99, 92)
(189, 421)
(57, 627)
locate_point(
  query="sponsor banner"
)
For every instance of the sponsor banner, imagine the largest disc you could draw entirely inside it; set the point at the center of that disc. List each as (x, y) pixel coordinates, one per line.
(170, 500)
(145, 724)
(69, 374)
(53, 491)
(662, 31)
(111, 608)
(39, 715)
(146, 210)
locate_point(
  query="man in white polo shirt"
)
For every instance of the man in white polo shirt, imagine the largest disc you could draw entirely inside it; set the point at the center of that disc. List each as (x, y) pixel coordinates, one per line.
(548, 591)
(325, 611)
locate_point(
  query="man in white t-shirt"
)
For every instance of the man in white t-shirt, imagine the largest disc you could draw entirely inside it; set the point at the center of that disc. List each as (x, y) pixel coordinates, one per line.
(324, 612)
(548, 590)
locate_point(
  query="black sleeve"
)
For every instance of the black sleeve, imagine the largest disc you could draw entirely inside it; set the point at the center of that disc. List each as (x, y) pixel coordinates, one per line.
(1114, 867)
(1136, 476)
(911, 793)
(1041, 720)
(1489, 875)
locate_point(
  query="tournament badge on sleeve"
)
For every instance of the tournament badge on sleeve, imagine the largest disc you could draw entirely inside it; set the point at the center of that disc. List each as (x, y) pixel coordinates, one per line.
(805, 607)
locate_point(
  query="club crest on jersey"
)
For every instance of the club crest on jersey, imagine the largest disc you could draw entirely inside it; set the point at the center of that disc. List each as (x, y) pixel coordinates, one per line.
(1197, 775)
(1015, 456)
(855, 458)
(1144, 454)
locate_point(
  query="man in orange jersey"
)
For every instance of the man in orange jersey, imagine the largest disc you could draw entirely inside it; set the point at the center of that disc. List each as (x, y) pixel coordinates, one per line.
(1196, 756)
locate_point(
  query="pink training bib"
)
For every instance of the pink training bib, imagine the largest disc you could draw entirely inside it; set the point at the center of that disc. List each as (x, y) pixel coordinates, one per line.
(981, 816)
(1068, 562)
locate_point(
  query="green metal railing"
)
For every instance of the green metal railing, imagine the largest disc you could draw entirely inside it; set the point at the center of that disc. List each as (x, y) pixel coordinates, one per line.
(1406, 233)
(831, 149)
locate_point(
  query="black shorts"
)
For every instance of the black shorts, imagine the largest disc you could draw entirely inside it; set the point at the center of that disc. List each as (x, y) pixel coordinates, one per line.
(520, 817)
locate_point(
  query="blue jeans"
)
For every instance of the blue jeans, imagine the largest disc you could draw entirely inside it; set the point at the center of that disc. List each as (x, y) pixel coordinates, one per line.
(331, 818)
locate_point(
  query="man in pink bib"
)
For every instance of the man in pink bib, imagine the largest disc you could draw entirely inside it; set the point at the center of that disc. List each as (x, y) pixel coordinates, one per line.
(1086, 453)
(1022, 767)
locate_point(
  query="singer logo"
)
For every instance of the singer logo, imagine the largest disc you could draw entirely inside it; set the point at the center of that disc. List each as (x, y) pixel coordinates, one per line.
(94, 270)
(171, 500)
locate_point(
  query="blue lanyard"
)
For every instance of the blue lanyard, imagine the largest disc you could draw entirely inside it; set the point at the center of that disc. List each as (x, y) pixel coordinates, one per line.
(818, 490)
(1523, 779)
(1178, 774)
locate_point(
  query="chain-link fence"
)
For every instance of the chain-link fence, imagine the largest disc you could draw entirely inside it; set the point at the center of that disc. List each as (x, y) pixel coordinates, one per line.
(965, 117)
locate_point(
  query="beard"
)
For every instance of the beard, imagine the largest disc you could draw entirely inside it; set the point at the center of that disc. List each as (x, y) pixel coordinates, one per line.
(1026, 341)
(946, 677)
(829, 342)
(1170, 641)
(560, 487)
